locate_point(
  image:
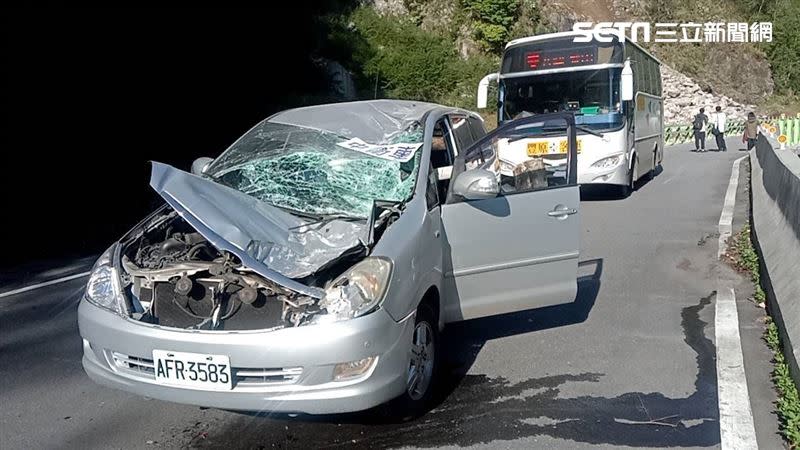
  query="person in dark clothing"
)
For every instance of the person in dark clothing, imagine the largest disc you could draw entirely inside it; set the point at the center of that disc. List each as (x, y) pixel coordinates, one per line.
(718, 121)
(751, 130)
(699, 126)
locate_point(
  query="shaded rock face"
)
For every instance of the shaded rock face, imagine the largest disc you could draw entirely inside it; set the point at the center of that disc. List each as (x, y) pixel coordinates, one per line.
(683, 98)
(560, 15)
(738, 72)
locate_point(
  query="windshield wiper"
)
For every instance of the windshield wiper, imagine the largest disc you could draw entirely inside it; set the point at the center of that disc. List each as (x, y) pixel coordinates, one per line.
(322, 219)
(588, 130)
(297, 212)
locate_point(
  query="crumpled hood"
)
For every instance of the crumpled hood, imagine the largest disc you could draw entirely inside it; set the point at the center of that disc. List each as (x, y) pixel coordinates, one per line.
(261, 235)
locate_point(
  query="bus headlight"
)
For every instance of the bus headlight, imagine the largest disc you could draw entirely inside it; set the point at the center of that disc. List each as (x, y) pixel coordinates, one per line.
(506, 167)
(609, 161)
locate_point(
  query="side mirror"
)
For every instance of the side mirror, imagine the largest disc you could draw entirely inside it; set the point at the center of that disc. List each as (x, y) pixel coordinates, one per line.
(476, 184)
(626, 82)
(200, 165)
(483, 89)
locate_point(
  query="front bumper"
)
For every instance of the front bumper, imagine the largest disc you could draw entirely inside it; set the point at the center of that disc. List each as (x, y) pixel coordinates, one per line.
(313, 349)
(616, 175)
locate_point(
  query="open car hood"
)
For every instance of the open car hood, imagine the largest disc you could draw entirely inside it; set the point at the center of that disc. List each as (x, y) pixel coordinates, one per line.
(262, 236)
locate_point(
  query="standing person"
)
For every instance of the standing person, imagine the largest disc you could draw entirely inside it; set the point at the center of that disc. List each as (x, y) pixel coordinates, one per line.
(751, 130)
(699, 126)
(718, 128)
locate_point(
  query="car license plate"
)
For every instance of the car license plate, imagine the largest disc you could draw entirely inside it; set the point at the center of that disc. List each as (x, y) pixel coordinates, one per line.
(192, 370)
(543, 148)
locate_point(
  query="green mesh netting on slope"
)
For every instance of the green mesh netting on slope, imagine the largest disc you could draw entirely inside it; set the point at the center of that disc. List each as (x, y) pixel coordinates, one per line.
(330, 182)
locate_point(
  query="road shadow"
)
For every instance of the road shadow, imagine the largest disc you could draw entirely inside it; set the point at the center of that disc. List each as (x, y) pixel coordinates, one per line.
(478, 409)
(607, 192)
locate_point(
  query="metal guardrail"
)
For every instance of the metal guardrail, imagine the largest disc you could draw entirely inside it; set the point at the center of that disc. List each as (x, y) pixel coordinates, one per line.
(785, 129)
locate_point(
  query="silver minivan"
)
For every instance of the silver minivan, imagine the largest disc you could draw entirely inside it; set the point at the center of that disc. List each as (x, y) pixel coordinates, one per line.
(311, 266)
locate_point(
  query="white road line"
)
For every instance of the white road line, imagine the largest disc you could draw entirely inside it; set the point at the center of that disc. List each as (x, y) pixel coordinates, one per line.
(41, 285)
(736, 427)
(726, 218)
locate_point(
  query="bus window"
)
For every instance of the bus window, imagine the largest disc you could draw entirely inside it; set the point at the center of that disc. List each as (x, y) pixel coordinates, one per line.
(593, 94)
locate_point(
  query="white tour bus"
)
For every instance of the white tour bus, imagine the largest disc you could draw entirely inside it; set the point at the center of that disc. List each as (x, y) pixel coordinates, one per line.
(613, 87)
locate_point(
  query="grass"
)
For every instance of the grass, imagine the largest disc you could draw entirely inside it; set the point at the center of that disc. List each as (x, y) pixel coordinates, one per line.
(744, 257)
(776, 104)
(788, 403)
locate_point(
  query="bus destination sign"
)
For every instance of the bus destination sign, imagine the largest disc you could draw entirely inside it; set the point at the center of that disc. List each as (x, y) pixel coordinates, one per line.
(558, 58)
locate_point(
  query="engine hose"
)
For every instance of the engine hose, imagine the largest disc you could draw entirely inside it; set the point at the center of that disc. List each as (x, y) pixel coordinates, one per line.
(195, 248)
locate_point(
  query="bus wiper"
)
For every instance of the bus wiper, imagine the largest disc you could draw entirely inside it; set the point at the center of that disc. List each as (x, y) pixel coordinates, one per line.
(514, 138)
(589, 130)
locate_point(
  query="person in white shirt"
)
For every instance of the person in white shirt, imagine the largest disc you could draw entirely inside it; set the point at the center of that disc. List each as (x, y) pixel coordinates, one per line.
(718, 123)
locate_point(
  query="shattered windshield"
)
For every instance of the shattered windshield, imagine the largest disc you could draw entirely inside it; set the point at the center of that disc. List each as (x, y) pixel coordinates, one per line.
(320, 173)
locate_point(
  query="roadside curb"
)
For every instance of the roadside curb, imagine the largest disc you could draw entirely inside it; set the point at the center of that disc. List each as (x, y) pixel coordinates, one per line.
(775, 217)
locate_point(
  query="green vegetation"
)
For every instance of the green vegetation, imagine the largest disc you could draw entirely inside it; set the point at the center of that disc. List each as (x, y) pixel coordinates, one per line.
(492, 20)
(784, 50)
(422, 56)
(788, 403)
(393, 57)
(745, 258)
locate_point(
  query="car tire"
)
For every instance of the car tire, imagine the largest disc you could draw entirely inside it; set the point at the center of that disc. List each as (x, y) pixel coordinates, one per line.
(421, 376)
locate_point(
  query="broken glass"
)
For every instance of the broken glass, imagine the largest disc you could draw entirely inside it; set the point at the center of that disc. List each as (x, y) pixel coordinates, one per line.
(308, 170)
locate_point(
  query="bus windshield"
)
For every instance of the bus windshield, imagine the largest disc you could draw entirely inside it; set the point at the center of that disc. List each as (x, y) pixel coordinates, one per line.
(592, 94)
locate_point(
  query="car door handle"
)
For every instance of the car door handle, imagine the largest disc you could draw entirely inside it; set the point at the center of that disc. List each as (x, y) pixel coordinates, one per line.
(562, 212)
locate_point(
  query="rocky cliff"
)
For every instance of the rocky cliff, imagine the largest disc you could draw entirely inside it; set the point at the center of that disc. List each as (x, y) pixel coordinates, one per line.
(683, 98)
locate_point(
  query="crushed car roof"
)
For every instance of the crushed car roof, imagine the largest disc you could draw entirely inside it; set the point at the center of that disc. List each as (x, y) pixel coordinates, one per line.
(374, 121)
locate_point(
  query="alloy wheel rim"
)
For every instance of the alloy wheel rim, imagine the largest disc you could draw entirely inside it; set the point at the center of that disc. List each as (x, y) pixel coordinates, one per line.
(420, 369)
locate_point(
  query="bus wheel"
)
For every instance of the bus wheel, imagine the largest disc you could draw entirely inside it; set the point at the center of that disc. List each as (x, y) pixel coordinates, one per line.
(631, 186)
(652, 172)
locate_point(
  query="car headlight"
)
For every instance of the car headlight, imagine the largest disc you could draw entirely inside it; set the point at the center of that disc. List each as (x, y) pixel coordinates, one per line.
(358, 291)
(103, 287)
(608, 162)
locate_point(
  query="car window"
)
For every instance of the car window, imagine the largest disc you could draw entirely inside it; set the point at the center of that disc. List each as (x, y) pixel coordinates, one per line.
(476, 127)
(461, 131)
(442, 151)
(531, 155)
(432, 191)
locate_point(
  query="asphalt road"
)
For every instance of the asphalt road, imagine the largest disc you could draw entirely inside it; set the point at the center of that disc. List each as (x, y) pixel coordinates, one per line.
(636, 346)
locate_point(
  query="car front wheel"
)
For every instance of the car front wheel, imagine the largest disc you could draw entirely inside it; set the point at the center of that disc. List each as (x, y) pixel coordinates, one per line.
(422, 366)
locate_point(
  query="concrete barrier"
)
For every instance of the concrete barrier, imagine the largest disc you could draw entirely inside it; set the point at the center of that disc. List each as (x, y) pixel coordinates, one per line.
(775, 190)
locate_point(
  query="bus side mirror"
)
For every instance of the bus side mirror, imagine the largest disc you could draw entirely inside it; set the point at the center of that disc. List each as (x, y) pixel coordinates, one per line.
(483, 89)
(626, 83)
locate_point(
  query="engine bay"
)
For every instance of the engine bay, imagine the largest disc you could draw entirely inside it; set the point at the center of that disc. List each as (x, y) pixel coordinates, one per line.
(174, 277)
